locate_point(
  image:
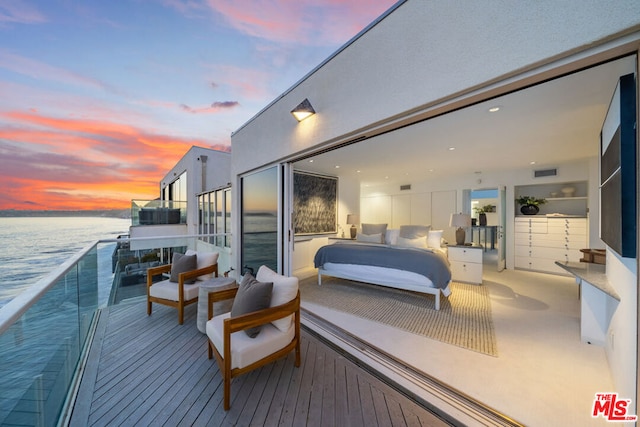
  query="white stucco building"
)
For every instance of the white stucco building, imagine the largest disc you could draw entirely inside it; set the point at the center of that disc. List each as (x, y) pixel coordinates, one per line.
(403, 122)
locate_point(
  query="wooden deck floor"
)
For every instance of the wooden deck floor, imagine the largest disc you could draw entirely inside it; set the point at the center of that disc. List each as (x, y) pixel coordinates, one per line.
(151, 371)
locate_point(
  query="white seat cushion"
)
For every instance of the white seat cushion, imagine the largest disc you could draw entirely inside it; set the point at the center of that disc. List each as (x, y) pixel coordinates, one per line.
(169, 290)
(284, 290)
(204, 259)
(245, 350)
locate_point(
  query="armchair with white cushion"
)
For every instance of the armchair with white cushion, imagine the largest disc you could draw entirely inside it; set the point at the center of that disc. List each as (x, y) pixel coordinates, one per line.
(188, 271)
(257, 336)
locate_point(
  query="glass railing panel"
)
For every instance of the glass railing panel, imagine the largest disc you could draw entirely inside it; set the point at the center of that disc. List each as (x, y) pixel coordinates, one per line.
(134, 257)
(41, 350)
(157, 212)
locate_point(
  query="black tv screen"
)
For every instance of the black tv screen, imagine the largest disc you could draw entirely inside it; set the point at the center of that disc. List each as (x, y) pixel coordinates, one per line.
(618, 171)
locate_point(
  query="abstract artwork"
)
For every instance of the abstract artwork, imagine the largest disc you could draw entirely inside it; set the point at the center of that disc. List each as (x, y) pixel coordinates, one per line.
(314, 203)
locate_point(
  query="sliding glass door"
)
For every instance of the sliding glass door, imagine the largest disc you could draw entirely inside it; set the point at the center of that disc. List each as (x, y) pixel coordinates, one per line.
(265, 220)
(259, 244)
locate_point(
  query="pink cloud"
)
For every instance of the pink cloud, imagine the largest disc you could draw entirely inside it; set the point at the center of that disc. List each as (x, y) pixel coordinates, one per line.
(300, 21)
(19, 12)
(41, 71)
(249, 83)
(53, 163)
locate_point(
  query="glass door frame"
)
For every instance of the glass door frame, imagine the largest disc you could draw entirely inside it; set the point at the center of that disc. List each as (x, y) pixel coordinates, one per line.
(284, 211)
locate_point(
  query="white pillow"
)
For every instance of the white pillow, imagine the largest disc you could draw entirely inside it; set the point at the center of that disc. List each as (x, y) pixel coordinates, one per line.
(285, 289)
(418, 242)
(434, 239)
(369, 238)
(391, 236)
(204, 259)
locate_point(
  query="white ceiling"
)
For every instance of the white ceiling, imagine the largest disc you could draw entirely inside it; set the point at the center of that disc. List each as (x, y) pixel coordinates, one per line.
(550, 124)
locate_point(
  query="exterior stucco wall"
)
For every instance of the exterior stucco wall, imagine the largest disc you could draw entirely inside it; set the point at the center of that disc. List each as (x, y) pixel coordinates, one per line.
(217, 174)
(420, 53)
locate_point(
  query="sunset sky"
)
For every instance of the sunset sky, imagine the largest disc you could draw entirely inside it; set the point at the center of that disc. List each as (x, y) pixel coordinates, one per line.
(99, 98)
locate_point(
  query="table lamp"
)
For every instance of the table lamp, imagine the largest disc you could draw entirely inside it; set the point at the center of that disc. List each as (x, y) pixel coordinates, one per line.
(460, 220)
(353, 219)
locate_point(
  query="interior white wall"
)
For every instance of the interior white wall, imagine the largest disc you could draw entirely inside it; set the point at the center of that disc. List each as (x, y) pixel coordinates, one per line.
(621, 344)
(348, 203)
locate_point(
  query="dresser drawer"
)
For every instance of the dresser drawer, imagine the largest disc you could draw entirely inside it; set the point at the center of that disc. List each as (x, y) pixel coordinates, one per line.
(463, 254)
(539, 264)
(466, 272)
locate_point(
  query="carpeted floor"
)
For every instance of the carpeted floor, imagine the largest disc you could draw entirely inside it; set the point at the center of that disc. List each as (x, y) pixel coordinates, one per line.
(464, 318)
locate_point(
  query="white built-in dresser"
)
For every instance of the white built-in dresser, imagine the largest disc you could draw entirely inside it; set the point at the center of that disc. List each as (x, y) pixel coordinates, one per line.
(540, 241)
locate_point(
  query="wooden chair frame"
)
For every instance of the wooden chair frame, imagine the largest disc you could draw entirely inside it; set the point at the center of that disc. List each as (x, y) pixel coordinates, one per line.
(182, 277)
(246, 321)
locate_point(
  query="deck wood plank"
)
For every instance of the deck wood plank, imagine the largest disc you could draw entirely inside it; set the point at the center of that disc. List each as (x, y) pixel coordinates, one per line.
(317, 388)
(340, 401)
(353, 398)
(151, 371)
(329, 391)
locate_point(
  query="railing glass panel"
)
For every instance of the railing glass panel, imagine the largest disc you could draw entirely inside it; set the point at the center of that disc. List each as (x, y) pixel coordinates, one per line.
(41, 350)
(45, 329)
(156, 212)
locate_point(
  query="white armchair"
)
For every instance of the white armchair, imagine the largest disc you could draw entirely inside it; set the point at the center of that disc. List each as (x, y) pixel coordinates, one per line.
(181, 289)
(235, 351)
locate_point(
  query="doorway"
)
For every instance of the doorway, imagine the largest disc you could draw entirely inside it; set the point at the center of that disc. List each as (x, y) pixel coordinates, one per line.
(487, 224)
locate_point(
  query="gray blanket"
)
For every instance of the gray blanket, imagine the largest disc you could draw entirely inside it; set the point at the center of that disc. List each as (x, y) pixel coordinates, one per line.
(426, 262)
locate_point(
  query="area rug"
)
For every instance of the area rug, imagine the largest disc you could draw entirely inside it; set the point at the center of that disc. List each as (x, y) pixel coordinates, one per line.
(464, 318)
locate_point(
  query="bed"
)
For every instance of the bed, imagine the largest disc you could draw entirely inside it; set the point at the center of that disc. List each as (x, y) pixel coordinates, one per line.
(419, 269)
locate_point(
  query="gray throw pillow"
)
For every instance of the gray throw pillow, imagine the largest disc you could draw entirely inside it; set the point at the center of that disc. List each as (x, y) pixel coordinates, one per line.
(375, 229)
(252, 296)
(181, 264)
(414, 231)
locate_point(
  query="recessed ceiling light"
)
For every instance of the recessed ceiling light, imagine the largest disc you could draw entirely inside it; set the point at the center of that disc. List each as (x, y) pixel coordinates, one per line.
(358, 171)
(494, 109)
(532, 162)
(337, 166)
(311, 161)
(430, 170)
(452, 148)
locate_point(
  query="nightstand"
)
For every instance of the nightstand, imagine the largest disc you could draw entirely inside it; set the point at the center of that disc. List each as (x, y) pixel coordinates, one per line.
(466, 263)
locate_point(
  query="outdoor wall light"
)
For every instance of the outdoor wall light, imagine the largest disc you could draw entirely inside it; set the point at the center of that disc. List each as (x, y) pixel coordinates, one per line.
(303, 110)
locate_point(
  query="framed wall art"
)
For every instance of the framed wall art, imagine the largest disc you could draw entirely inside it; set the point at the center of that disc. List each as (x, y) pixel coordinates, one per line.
(315, 203)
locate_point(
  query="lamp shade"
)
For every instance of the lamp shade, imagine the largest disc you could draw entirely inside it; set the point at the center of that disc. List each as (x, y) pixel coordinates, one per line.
(460, 220)
(353, 219)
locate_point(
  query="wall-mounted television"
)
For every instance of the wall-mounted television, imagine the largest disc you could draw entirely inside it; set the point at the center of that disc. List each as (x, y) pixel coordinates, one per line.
(618, 170)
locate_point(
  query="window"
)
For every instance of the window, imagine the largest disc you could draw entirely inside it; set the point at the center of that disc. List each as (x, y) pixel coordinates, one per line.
(215, 216)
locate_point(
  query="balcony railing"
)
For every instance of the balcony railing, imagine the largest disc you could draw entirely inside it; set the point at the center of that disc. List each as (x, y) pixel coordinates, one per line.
(155, 212)
(45, 331)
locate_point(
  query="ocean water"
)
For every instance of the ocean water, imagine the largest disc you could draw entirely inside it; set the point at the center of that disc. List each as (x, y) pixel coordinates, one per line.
(34, 246)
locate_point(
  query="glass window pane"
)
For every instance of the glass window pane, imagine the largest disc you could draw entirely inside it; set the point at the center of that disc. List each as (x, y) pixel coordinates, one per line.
(219, 217)
(260, 220)
(227, 212)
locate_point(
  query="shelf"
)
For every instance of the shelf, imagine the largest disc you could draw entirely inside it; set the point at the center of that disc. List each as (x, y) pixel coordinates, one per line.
(565, 199)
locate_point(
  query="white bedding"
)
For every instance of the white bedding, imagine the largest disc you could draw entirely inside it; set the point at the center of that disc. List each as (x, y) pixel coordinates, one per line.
(390, 277)
(382, 276)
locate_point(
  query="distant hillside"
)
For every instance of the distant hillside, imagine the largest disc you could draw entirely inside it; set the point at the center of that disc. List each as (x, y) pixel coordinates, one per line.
(109, 213)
